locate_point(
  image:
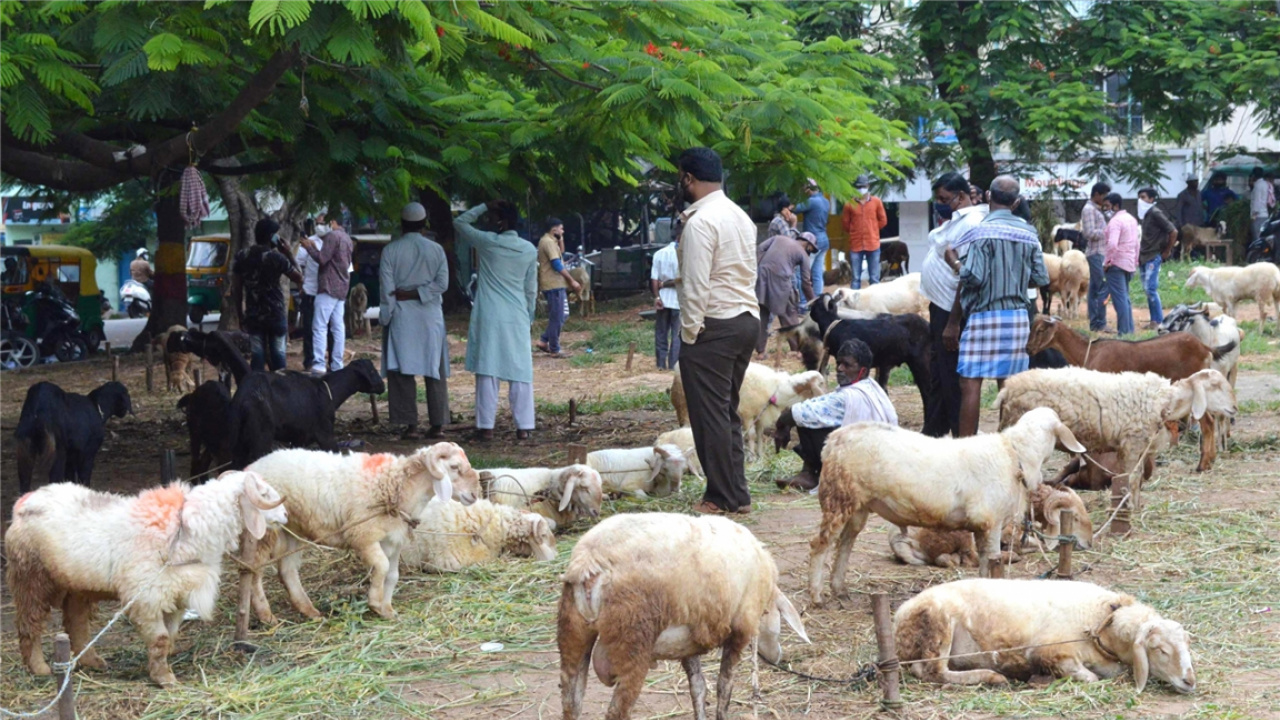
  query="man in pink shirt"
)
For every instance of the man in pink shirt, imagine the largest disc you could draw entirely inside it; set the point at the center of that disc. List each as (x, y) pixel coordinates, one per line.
(1120, 261)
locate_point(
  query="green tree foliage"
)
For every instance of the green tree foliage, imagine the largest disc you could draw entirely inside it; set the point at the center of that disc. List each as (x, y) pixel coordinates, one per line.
(128, 223)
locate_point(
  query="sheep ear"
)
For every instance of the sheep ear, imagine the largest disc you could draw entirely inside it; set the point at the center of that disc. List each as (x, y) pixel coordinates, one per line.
(567, 496)
(1067, 438)
(790, 614)
(1140, 666)
(1199, 403)
(253, 520)
(443, 488)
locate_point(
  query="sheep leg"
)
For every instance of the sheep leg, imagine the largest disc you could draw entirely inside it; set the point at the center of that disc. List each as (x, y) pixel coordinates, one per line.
(845, 547)
(575, 641)
(697, 686)
(730, 654)
(258, 601)
(929, 633)
(77, 611)
(988, 542)
(152, 627)
(288, 571)
(377, 561)
(393, 571)
(820, 549)
(1208, 442)
(1074, 669)
(630, 670)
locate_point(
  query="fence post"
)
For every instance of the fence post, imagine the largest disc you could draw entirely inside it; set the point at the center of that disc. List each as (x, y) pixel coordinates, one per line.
(577, 454)
(1067, 521)
(1119, 488)
(994, 569)
(150, 360)
(888, 652)
(62, 659)
(631, 354)
(573, 410)
(168, 466)
(248, 553)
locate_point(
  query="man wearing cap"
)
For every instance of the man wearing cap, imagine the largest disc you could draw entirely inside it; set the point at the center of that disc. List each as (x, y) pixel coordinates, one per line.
(817, 211)
(863, 217)
(553, 276)
(777, 260)
(506, 297)
(1190, 208)
(413, 274)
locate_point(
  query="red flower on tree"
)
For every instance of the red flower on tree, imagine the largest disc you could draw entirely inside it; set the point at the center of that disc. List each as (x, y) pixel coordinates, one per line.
(439, 31)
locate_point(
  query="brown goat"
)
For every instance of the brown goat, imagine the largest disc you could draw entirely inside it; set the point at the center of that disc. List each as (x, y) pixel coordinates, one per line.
(1174, 356)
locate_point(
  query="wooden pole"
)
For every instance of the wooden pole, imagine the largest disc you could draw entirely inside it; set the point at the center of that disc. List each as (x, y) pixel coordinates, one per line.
(994, 569)
(62, 656)
(631, 354)
(1067, 521)
(573, 410)
(888, 652)
(577, 454)
(168, 466)
(1120, 523)
(150, 361)
(248, 552)
(373, 407)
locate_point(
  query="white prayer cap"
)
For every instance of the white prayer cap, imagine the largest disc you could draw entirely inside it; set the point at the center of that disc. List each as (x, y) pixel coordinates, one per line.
(413, 212)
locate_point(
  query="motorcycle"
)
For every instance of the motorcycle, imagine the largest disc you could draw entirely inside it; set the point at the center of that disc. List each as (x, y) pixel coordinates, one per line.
(1263, 249)
(135, 299)
(16, 350)
(58, 330)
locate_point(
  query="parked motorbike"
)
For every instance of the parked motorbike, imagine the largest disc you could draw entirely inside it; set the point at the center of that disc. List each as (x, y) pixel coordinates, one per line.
(16, 349)
(1263, 249)
(135, 299)
(58, 330)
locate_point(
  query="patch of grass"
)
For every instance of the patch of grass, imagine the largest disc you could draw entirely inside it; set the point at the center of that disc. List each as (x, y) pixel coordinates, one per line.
(622, 402)
(989, 392)
(589, 359)
(1248, 407)
(615, 338)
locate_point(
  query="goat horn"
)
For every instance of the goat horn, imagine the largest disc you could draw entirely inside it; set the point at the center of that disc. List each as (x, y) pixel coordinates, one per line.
(251, 481)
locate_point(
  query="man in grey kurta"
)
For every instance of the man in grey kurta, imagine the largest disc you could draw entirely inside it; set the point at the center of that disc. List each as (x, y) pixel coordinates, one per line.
(498, 346)
(777, 261)
(412, 275)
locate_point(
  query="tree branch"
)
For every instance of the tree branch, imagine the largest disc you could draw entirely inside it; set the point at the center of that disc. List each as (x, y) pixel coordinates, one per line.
(39, 169)
(538, 59)
(239, 170)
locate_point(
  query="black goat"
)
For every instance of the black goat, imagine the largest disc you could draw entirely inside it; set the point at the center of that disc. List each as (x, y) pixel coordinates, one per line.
(222, 349)
(59, 433)
(208, 412)
(1075, 236)
(894, 340)
(293, 408)
(895, 259)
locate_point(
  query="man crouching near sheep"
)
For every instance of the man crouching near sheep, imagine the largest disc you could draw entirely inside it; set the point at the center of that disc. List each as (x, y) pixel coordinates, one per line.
(860, 398)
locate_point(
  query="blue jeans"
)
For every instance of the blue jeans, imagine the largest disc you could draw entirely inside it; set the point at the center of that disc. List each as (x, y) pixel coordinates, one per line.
(816, 269)
(873, 266)
(556, 300)
(1118, 289)
(274, 344)
(1151, 286)
(1097, 294)
(666, 339)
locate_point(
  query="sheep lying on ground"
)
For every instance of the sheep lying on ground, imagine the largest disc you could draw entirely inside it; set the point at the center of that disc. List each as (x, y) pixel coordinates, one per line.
(451, 536)
(369, 503)
(896, 297)
(639, 471)
(658, 586)
(683, 439)
(562, 495)
(765, 394)
(1085, 632)
(1228, 286)
(71, 548)
(976, 483)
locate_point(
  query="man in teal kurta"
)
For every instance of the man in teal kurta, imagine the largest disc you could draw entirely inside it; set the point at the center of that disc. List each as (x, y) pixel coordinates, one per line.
(498, 345)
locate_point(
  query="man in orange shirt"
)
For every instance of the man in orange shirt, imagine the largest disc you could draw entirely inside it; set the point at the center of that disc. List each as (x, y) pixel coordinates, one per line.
(862, 218)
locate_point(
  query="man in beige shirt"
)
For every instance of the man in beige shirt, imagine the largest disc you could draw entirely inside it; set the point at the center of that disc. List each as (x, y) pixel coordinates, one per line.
(719, 322)
(553, 278)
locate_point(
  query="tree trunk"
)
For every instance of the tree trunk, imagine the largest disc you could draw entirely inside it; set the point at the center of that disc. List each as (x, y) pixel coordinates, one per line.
(440, 219)
(242, 213)
(169, 297)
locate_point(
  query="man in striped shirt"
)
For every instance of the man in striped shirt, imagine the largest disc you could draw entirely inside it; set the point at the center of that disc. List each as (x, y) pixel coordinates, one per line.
(1093, 226)
(1002, 260)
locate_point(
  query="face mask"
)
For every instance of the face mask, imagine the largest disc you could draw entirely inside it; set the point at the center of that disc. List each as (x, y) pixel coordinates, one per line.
(1143, 207)
(943, 210)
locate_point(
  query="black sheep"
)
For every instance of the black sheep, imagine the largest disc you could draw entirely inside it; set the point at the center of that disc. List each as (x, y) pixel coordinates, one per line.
(224, 350)
(293, 408)
(208, 412)
(60, 432)
(894, 340)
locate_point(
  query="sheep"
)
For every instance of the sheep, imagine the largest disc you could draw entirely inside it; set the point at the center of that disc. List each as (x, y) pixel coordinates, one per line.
(896, 297)
(974, 483)
(177, 363)
(451, 536)
(71, 547)
(841, 274)
(1069, 279)
(653, 470)
(356, 306)
(1191, 237)
(764, 395)
(683, 439)
(1212, 331)
(585, 298)
(1122, 412)
(1227, 286)
(654, 586)
(225, 350)
(59, 433)
(368, 503)
(895, 259)
(1066, 237)
(1173, 356)
(208, 412)
(293, 408)
(1083, 631)
(562, 495)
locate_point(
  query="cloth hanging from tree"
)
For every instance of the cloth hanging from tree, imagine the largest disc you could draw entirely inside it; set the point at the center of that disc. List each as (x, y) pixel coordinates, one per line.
(195, 201)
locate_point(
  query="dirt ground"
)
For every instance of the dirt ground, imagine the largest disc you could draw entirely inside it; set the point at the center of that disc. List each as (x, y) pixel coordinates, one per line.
(1205, 552)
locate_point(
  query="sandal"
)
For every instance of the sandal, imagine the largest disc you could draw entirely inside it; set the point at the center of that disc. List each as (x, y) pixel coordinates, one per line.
(706, 507)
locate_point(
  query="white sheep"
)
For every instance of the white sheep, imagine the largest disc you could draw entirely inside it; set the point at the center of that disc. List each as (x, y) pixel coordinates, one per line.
(975, 483)
(451, 536)
(368, 503)
(1083, 631)
(683, 438)
(897, 297)
(1227, 286)
(764, 395)
(71, 547)
(658, 586)
(640, 472)
(1071, 283)
(562, 495)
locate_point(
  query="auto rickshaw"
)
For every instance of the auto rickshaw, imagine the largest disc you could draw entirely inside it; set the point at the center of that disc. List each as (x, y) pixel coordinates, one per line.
(69, 270)
(367, 255)
(208, 272)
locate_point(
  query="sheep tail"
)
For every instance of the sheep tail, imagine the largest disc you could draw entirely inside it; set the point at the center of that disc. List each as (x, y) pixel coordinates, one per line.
(1219, 352)
(31, 428)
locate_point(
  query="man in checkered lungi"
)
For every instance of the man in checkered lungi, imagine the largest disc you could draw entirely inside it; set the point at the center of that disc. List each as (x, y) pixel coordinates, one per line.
(1003, 259)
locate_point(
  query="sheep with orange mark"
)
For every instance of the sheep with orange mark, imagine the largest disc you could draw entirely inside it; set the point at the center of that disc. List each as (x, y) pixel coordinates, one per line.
(70, 547)
(368, 503)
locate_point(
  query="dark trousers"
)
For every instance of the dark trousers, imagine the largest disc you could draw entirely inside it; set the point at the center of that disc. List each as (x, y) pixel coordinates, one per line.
(666, 337)
(812, 440)
(307, 310)
(942, 411)
(711, 371)
(556, 300)
(402, 393)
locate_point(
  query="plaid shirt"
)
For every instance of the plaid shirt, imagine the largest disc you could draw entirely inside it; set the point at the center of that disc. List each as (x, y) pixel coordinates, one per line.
(1003, 260)
(1093, 225)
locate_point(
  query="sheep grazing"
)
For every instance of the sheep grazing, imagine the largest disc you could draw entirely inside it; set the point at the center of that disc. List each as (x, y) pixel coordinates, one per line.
(562, 495)
(368, 503)
(71, 547)
(764, 395)
(1228, 286)
(639, 471)
(1069, 279)
(356, 306)
(683, 439)
(59, 433)
(452, 536)
(208, 412)
(177, 362)
(658, 586)
(976, 483)
(896, 297)
(1085, 632)
(1174, 356)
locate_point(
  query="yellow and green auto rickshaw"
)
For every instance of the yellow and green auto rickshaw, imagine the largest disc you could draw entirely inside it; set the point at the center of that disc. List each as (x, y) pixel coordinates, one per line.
(208, 272)
(365, 259)
(68, 271)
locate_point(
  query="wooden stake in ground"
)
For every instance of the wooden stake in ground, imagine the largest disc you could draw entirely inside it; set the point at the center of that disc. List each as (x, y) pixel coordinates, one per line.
(248, 552)
(631, 354)
(888, 651)
(150, 360)
(1067, 523)
(577, 454)
(168, 466)
(373, 407)
(996, 570)
(1119, 489)
(62, 661)
(573, 410)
